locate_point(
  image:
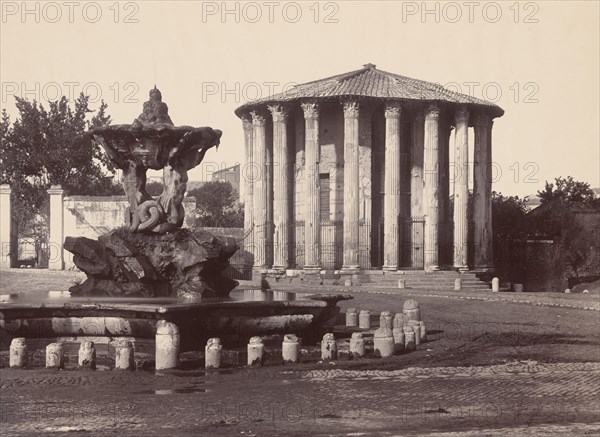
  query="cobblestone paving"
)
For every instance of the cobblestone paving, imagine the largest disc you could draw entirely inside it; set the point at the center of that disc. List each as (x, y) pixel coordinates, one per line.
(496, 400)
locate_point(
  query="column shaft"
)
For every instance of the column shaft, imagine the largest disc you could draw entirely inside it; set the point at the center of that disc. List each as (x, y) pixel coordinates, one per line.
(8, 248)
(248, 175)
(312, 221)
(461, 189)
(482, 195)
(431, 188)
(281, 200)
(57, 235)
(260, 189)
(391, 200)
(351, 186)
(416, 182)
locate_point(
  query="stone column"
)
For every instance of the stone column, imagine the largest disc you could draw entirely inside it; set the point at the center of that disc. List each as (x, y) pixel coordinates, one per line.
(444, 233)
(431, 187)
(391, 200)
(57, 232)
(416, 185)
(281, 200)
(461, 188)
(351, 186)
(482, 195)
(260, 189)
(8, 244)
(248, 174)
(312, 213)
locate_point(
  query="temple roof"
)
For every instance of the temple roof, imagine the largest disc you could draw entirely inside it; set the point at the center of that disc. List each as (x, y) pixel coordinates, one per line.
(372, 83)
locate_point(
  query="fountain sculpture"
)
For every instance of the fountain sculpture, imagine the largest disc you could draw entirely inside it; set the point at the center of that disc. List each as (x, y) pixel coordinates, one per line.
(152, 256)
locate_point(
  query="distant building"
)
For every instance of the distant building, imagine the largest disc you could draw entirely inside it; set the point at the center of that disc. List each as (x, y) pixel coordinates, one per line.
(231, 175)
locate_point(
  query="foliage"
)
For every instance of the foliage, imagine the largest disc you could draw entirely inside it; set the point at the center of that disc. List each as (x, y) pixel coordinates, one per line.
(566, 189)
(508, 212)
(217, 205)
(45, 147)
(154, 188)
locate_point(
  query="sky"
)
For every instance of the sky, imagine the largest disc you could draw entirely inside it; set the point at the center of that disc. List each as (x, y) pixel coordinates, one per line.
(538, 60)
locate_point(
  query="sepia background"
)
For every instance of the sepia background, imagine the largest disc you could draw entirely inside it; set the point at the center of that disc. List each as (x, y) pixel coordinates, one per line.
(537, 60)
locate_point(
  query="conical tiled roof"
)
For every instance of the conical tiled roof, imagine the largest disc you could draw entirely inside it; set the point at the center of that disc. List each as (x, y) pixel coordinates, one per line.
(374, 83)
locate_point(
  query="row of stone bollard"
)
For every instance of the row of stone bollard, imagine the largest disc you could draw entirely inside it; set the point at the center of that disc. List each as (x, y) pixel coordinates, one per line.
(290, 351)
(55, 356)
(457, 284)
(362, 319)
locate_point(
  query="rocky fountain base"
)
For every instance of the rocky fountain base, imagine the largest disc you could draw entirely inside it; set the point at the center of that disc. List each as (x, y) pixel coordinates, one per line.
(183, 263)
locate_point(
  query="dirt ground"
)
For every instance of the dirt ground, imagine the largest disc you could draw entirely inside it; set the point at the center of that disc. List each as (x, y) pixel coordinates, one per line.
(488, 368)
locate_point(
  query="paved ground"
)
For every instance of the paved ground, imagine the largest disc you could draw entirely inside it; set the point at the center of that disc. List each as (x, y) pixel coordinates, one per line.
(490, 368)
(495, 400)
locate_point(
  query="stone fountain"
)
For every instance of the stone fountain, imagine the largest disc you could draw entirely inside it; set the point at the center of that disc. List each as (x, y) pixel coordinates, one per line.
(151, 256)
(152, 270)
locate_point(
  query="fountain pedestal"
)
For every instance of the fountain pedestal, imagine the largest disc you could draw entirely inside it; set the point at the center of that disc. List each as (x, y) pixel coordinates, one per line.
(184, 263)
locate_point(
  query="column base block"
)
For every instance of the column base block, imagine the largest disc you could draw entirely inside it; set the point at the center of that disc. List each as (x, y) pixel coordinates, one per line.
(312, 270)
(461, 269)
(350, 270)
(390, 268)
(432, 269)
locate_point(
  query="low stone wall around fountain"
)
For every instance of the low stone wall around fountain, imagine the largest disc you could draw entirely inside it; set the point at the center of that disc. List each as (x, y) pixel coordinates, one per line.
(396, 334)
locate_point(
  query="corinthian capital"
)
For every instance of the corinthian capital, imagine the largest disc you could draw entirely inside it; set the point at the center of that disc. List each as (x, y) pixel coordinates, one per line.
(246, 121)
(278, 112)
(351, 108)
(461, 115)
(432, 111)
(393, 109)
(258, 118)
(311, 110)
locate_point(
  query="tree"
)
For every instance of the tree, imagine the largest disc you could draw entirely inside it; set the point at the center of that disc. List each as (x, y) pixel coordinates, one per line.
(566, 189)
(45, 147)
(217, 205)
(508, 212)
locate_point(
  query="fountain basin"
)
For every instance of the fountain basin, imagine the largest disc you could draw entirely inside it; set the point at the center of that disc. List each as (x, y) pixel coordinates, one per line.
(246, 313)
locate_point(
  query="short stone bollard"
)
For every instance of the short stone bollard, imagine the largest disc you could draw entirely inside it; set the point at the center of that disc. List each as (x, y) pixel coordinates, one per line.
(411, 310)
(328, 347)
(518, 288)
(383, 342)
(357, 345)
(567, 290)
(351, 317)
(495, 285)
(409, 339)
(290, 348)
(401, 284)
(348, 283)
(416, 327)
(167, 345)
(423, 331)
(55, 356)
(212, 353)
(586, 291)
(399, 320)
(457, 284)
(18, 353)
(385, 320)
(364, 319)
(87, 355)
(398, 333)
(124, 355)
(256, 351)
